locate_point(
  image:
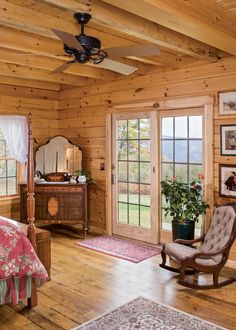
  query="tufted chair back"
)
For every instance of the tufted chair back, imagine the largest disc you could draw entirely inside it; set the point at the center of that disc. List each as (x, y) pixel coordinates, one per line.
(220, 231)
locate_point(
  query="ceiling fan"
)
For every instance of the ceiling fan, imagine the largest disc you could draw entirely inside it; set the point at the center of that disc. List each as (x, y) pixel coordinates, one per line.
(86, 48)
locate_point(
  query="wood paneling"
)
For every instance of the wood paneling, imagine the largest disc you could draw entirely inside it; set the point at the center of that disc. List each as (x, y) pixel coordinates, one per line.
(82, 114)
(43, 104)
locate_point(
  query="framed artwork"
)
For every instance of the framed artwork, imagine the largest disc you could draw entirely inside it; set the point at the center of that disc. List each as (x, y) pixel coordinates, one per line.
(227, 103)
(227, 180)
(228, 140)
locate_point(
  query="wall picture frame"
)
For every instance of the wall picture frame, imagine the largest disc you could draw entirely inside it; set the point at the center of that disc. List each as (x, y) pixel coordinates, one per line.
(227, 103)
(228, 140)
(227, 180)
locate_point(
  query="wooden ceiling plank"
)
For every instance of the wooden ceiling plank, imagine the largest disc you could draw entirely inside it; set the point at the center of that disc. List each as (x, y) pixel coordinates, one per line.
(181, 17)
(18, 71)
(125, 22)
(49, 63)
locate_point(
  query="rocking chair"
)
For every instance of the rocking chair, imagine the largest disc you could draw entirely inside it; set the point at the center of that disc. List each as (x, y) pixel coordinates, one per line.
(212, 254)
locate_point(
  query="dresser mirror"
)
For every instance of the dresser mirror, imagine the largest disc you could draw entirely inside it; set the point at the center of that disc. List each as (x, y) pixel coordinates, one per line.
(58, 155)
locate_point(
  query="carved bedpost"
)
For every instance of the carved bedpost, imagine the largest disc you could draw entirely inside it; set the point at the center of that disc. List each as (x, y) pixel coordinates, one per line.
(30, 185)
(33, 300)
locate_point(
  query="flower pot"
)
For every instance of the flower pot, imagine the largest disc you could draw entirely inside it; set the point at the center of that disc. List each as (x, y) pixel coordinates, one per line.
(184, 230)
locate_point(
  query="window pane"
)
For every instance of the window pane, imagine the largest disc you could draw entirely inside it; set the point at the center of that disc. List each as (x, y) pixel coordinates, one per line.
(181, 172)
(133, 193)
(167, 171)
(181, 154)
(145, 194)
(133, 150)
(167, 127)
(11, 167)
(122, 129)
(133, 172)
(144, 128)
(145, 172)
(145, 150)
(122, 150)
(133, 214)
(123, 194)
(195, 127)
(11, 186)
(167, 151)
(3, 167)
(181, 130)
(145, 216)
(3, 186)
(123, 212)
(133, 129)
(122, 171)
(194, 171)
(195, 151)
(2, 148)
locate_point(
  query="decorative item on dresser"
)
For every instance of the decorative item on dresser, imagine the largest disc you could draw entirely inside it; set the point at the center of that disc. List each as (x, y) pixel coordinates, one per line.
(55, 202)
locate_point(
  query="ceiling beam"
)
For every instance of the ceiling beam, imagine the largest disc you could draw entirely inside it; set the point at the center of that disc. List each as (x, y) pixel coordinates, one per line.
(7, 80)
(31, 43)
(18, 17)
(14, 70)
(108, 16)
(195, 19)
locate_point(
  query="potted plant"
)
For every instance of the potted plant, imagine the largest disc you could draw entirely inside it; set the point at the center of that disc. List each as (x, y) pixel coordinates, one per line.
(85, 174)
(184, 204)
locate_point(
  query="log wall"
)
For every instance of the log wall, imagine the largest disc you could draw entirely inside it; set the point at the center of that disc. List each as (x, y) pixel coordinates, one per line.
(43, 104)
(82, 116)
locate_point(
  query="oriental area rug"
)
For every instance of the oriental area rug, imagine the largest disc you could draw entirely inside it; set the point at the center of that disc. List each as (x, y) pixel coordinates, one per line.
(116, 247)
(145, 314)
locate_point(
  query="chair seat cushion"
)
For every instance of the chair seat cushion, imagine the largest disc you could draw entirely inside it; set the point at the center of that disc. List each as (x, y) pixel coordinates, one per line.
(181, 252)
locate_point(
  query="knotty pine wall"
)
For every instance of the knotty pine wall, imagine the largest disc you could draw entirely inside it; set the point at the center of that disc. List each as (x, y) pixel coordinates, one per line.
(43, 104)
(82, 116)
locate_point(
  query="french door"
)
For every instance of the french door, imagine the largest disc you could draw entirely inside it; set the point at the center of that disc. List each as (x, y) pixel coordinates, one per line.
(134, 176)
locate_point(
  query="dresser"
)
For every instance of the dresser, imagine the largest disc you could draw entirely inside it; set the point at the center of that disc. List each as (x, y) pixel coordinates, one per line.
(56, 203)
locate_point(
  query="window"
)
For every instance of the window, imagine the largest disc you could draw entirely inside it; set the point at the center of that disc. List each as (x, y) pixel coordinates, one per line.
(181, 152)
(8, 170)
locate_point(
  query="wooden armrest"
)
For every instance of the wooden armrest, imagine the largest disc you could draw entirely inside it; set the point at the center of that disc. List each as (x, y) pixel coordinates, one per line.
(188, 242)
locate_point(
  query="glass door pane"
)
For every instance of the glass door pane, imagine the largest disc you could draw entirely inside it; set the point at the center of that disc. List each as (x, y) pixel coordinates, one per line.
(133, 171)
(181, 153)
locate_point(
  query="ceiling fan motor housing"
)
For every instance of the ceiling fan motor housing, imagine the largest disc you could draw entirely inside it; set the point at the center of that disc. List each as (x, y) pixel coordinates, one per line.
(91, 46)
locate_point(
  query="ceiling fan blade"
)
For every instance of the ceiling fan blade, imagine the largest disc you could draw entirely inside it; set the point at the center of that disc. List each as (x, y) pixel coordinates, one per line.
(138, 50)
(116, 66)
(63, 67)
(68, 39)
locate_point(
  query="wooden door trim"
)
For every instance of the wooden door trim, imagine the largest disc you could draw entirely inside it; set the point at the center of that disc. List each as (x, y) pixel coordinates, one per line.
(108, 199)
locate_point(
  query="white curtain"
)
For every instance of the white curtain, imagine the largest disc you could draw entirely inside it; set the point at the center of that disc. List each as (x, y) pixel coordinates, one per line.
(15, 132)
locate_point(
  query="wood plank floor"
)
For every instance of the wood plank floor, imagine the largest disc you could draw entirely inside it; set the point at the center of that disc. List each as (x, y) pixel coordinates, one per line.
(86, 284)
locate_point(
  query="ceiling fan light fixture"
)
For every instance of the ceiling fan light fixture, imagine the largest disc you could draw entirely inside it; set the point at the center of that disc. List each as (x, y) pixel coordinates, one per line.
(81, 57)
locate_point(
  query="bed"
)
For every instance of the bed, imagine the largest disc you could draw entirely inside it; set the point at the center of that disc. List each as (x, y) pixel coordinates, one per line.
(21, 271)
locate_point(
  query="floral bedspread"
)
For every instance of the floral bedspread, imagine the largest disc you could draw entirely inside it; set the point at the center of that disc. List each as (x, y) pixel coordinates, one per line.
(19, 265)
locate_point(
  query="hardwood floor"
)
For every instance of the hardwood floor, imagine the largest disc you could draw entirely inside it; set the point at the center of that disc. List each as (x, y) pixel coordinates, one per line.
(86, 284)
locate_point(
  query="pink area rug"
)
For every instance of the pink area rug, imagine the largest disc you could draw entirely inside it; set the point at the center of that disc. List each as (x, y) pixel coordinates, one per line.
(116, 247)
